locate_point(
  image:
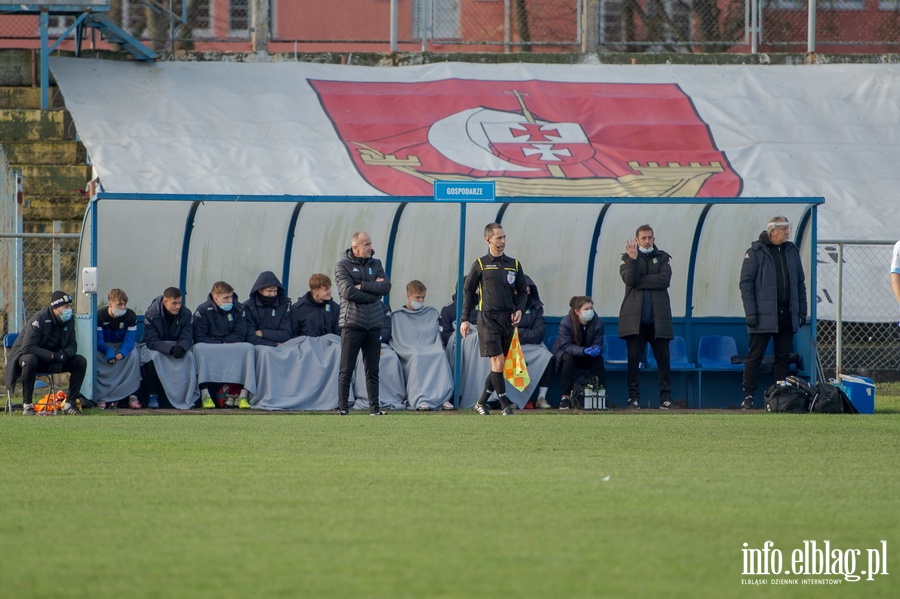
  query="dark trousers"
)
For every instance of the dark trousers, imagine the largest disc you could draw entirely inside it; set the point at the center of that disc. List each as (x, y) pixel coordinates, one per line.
(352, 341)
(29, 365)
(151, 385)
(635, 344)
(569, 364)
(783, 341)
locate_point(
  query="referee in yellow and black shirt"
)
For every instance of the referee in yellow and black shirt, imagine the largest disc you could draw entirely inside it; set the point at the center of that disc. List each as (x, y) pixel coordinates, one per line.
(501, 283)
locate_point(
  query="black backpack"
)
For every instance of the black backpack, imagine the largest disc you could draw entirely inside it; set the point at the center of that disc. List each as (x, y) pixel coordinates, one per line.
(830, 399)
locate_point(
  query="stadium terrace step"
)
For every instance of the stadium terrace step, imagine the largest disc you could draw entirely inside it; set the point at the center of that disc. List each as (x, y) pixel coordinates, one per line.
(28, 98)
(54, 179)
(44, 152)
(32, 125)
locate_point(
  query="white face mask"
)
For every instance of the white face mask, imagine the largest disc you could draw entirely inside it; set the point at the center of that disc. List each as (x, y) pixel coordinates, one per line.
(644, 250)
(416, 305)
(587, 315)
(116, 313)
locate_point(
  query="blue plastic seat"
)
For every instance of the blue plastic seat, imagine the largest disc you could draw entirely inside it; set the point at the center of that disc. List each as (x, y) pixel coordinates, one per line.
(714, 354)
(615, 353)
(678, 356)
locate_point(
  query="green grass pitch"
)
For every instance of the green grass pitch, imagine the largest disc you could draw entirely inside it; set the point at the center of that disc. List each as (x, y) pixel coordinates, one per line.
(440, 505)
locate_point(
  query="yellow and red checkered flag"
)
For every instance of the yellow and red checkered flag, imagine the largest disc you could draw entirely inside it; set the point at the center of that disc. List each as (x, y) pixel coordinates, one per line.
(515, 370)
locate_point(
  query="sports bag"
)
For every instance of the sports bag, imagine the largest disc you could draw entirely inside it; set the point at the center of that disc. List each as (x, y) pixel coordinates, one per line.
(785, 397)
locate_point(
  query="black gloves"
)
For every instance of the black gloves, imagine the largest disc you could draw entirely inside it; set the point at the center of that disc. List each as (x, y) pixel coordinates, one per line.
(751, 321)
(61, 357)
(178, 351)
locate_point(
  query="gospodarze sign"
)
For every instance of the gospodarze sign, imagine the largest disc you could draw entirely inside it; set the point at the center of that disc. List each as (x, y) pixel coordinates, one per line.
(464, 191)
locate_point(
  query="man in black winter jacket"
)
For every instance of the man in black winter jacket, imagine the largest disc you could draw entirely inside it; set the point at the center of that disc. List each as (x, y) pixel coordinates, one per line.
(168, 330)
(47, 344)
(773, 291)
(315, 313)
(268, 311)
(362, 284)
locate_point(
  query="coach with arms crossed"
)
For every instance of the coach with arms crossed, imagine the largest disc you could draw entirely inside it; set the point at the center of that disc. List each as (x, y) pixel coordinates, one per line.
(362, 284)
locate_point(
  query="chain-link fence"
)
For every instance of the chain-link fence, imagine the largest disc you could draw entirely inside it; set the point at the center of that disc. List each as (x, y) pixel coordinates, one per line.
(49, 262)
(857, 315)
(840, 26)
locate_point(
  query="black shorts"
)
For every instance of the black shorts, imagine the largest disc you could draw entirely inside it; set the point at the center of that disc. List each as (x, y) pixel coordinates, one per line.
(495, 333)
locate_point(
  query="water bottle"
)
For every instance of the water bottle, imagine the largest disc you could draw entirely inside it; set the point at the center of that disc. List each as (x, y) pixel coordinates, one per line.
(601, 397)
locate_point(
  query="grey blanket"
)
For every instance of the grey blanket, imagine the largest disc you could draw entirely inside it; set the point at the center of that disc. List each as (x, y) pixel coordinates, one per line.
(177, 375)
(475, 370)
(391, 387)
(300, 374)
(118, 381)
(416, 338)
(226, 363)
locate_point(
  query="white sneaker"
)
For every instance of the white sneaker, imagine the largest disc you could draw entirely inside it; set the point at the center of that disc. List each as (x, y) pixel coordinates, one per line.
(542, 404)
(448, 405)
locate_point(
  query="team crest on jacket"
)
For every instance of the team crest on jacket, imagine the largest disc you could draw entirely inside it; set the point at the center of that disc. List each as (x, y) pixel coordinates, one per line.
(532, 138)
(510, 277)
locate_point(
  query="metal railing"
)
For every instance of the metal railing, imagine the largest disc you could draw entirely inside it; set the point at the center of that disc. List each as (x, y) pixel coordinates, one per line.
(639, 26)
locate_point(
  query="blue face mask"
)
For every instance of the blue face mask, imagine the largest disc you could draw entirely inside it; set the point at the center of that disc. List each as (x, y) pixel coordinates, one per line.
(644, 250)
(416, 305)
(66, 315)
(116, 313)
(587, 315)
(227, 307)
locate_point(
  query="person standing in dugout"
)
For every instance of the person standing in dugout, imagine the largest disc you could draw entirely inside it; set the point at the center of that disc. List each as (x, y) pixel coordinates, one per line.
(503, 292)
(362, 284)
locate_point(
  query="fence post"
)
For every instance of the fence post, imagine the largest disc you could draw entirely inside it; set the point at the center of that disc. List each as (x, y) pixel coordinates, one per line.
(811, 30)
(260, 34)
(57, 251)
(393, 25)
(18, 309)
(507, 25)
(838, 317)
(590, 26)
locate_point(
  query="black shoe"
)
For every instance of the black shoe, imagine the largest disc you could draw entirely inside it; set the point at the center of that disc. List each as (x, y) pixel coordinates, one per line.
(481, 408)
(343, 412)
(634, 404)
(69, 409)
(747, 404)
(508, 411)
(377, 413)
(668, 404)
(565, 404)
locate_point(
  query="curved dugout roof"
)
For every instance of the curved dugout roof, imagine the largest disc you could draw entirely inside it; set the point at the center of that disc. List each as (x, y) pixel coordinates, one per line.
(568, 249)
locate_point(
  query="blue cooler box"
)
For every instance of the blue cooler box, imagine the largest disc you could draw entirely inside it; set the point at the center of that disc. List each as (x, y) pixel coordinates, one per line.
(861, 392)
